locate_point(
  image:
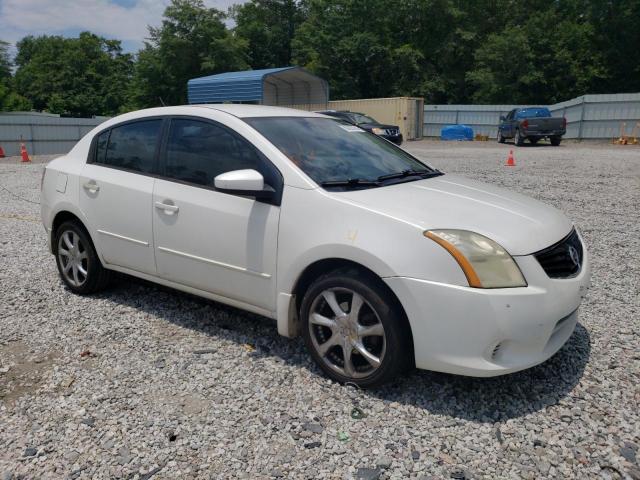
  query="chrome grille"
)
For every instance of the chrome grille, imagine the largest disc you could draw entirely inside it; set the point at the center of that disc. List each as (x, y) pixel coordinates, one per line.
(563, 259)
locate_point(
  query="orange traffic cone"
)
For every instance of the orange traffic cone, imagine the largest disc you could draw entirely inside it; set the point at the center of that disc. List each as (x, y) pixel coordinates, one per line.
(510, 160)
(23, 152)
(1, 152)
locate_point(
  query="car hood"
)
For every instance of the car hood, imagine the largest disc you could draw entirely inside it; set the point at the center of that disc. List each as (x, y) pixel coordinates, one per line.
(518, 223)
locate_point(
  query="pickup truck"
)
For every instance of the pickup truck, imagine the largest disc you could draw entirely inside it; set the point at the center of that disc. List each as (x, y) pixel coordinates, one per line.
(533, 124)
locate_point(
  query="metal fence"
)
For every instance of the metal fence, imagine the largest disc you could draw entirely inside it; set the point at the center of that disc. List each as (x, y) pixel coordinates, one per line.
(42, 133)
(588, 117)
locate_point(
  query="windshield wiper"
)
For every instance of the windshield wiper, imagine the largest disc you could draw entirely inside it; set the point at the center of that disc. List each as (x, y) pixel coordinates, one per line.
(351, 182)
(410, 173)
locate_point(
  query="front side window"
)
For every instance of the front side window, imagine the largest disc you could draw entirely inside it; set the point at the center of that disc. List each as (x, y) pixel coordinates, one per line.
(131, 146)
(199, 151)
(330, 150)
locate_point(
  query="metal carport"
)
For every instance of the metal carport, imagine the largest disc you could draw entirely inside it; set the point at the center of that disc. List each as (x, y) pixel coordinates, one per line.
(272, 86)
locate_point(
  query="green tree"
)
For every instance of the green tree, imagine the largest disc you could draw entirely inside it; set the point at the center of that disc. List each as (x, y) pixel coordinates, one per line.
(5, 62)
(417, 47)
(9, 99)
(81, 76)
(348, 43)
(192, 41)
(545, 60)
(268, 26)
(616, 27)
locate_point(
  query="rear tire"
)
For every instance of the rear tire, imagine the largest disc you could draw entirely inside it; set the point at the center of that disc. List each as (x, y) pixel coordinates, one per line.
(77, 260)
(350, 311)
(518, 139)
(555, 141)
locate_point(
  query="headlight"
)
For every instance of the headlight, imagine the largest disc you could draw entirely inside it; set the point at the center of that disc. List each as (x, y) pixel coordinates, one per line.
(485, 263)
(378, 131)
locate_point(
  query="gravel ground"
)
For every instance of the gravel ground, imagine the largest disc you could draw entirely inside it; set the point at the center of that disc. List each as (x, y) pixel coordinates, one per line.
(143, 382)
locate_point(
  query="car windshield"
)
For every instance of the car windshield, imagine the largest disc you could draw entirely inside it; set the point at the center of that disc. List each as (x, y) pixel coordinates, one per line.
(331, 150)
(533, 113)
(359, 118)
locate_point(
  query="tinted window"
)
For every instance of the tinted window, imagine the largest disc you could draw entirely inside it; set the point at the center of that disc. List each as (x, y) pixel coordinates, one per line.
(359, 118)
(101, 146)
(199, 151)
(533, 113)
(332, 150)
(131, 146)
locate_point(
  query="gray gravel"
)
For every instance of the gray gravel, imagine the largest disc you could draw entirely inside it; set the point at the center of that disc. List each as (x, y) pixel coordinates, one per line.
(143, 382)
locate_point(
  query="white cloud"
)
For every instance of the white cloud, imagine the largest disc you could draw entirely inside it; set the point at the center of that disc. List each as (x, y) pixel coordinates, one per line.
(19, 18)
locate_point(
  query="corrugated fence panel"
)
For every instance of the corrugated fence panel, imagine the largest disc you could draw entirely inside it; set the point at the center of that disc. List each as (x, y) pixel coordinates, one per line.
(588, 117)
(42, 133)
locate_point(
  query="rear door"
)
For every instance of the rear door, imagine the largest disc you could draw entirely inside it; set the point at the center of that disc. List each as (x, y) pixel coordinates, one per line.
(116, 188)
(204, 238)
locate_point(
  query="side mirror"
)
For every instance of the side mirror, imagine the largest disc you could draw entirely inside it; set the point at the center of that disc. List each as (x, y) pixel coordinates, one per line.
(244, 182)
(502, 118)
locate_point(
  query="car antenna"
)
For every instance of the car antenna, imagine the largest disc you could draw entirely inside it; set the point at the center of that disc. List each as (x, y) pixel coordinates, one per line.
(160, 98)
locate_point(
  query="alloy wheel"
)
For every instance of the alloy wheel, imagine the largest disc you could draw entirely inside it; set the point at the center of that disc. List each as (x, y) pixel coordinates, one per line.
(347, 333)
(73, 257)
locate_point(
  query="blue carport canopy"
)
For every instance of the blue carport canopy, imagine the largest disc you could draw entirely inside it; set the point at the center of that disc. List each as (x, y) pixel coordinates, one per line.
(272, 86)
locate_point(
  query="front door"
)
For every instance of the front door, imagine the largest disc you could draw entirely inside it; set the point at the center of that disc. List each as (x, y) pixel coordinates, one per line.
(116, 191)
(214, 241)
(511, 124)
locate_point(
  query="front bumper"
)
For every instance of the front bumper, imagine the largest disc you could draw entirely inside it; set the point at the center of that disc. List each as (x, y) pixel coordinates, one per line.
(489, 332)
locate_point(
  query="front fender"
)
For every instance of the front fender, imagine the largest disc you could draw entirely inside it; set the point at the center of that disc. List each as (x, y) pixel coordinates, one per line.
(315, 226)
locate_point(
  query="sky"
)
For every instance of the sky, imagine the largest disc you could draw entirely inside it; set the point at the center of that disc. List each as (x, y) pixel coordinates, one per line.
(124, 20)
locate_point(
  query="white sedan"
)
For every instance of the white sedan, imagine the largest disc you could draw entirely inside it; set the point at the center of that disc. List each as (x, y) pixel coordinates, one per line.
(378, 260)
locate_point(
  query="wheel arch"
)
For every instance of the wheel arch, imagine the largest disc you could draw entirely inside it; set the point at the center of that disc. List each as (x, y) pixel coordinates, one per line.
(65, 215)
(323, 266)
(320, 267)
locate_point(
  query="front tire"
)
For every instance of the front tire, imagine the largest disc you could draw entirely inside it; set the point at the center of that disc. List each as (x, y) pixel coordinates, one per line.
(555, 141)
(518, 139)
(354, 329)
(77, 260)
(500, 137)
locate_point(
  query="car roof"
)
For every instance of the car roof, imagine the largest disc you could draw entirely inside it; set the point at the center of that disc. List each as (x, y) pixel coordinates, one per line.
(244, 111)
(237, 110)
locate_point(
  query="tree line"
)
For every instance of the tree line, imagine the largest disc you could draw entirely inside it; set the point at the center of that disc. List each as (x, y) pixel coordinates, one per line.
(447, 51)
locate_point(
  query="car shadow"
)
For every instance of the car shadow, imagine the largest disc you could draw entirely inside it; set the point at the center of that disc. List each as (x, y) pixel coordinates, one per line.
(484, 400)
(531, 145)
(496, 399)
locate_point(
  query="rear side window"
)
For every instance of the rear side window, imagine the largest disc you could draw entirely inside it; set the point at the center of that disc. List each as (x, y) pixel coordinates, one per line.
(131, 146)
(101, 146)
(199, 151)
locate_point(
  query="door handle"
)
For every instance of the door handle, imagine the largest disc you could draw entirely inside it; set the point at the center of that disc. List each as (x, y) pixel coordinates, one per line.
(167, 208)
(91, 186)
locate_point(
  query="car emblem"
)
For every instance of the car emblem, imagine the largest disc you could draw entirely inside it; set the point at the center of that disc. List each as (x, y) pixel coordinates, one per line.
(575, 257)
